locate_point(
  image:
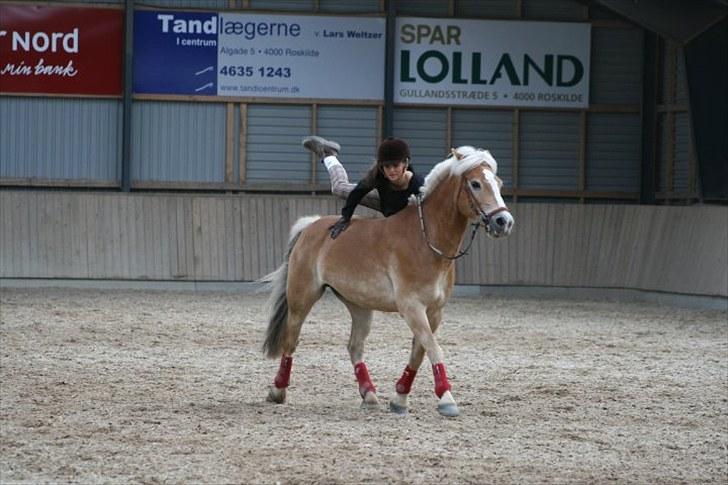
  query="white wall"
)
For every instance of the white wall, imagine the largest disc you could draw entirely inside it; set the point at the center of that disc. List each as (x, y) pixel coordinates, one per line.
(54, 234)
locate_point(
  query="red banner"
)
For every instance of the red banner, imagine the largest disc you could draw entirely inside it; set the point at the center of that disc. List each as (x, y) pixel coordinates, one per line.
(60, 50)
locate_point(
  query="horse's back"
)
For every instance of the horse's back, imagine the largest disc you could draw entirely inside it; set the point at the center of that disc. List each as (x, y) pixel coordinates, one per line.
(355, 264)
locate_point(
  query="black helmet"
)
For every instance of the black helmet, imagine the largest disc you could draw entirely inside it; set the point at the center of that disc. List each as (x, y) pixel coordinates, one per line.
(392, 150)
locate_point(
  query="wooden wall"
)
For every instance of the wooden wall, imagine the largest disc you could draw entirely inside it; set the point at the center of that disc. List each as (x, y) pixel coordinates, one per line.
(89, 235)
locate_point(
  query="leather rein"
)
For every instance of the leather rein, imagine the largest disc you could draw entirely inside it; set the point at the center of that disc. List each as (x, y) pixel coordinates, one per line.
(485, 218)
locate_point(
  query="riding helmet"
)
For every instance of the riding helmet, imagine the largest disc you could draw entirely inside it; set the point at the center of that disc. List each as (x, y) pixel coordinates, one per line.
(392, 150)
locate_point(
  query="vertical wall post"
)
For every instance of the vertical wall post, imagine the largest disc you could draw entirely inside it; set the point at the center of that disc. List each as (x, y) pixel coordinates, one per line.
(389, 70)
(128, 80)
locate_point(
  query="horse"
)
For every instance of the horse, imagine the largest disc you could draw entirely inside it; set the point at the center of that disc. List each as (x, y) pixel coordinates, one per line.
(403, 263)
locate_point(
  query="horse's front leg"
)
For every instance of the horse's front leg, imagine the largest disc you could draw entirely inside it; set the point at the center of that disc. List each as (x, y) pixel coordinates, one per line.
(423, 325)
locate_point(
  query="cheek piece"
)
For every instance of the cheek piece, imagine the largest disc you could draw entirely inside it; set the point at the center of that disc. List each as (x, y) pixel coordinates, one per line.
(284, 372)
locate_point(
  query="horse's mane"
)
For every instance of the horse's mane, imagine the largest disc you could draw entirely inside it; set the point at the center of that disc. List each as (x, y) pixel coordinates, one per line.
(463, 159)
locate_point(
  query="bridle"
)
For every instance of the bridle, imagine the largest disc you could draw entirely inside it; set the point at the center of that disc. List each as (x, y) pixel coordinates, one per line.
(485, 218)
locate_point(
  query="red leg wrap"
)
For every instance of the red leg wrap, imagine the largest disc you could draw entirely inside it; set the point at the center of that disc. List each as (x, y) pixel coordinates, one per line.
(284, 372)
(362, 376)
(404, 384)
(441, 384)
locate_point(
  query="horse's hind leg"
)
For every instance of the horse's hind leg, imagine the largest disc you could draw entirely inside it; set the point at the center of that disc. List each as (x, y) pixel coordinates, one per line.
(361, 324)
(298, 309)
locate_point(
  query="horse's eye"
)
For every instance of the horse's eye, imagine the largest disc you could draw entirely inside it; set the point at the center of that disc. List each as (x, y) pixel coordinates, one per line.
(475, 184)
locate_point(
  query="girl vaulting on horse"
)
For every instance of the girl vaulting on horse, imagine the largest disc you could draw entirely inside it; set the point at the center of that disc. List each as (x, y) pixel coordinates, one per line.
(394, 270)
(391, 176)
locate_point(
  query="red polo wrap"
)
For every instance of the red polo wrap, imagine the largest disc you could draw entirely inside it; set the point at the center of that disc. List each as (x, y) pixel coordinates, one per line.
(365, 382)
(441, 384)
(284, 372)
(404, 384)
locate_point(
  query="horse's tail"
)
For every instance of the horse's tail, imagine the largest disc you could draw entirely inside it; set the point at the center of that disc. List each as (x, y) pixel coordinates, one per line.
(276, 282)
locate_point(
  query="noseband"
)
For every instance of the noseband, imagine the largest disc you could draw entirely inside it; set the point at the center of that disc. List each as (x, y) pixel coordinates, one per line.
(485, 218)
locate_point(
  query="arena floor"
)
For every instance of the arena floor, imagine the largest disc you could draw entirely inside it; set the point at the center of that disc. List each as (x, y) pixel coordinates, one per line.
(158, 386)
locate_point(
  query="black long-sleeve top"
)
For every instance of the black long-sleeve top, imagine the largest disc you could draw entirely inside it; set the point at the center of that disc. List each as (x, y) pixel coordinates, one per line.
(391, 200)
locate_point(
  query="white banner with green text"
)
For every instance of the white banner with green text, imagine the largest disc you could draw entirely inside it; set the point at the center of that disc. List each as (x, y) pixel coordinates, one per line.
(492, 62)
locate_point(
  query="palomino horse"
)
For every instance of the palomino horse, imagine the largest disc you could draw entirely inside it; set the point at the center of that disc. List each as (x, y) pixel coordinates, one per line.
(403, 263)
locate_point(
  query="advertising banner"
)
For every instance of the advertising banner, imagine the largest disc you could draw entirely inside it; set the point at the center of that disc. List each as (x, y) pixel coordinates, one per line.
(488, 62)
(259, 55)
(175, 52)
(60, 50)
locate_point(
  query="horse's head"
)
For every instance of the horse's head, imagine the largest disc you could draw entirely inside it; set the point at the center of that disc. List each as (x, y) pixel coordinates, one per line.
(479, 196)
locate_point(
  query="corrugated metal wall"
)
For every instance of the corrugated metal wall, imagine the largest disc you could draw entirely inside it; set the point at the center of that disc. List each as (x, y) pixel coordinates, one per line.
(554, 10)
(242, 237)
(353, 6)
(178, 142)
(357, 130)
(487, 128)
(274, 152)
(549, 150)
(616, 73)
(675, 157)
(683, 182)
(183, 144)
(62, 139)
(102, 2)
(613, 152)
(683, 151)
(292, 5)
(192, 145)
(422, 8)
(494, 9)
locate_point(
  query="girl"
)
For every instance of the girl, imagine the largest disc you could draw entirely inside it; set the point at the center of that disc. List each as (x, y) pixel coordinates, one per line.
(391, 175)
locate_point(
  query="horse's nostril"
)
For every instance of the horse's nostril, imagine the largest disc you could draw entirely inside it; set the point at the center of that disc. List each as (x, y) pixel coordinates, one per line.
(501, 221)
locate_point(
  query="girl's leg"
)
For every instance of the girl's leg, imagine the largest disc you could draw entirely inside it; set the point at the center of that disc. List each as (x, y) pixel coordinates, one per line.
(341, 187)
(327, 151)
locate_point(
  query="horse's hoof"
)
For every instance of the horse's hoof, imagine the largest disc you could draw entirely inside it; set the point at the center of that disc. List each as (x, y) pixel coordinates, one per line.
(449, 410)
(447, 406)
(397, 409)
(370, 401)
(398, 404)
(367, 406)
(277, 396)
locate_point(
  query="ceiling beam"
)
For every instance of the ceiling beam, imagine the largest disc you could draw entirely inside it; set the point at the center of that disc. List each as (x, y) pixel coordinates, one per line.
(678, 20)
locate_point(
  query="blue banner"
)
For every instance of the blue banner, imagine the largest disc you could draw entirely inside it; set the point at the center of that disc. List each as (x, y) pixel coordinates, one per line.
(175, 52)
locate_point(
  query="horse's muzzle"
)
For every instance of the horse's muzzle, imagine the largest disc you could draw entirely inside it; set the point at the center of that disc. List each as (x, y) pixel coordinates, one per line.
(500, 224)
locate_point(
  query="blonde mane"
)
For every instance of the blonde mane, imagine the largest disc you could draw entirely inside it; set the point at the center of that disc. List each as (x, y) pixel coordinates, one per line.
(462, 159)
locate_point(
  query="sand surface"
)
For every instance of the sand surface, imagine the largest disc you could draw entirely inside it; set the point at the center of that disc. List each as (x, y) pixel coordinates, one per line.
(169, 387)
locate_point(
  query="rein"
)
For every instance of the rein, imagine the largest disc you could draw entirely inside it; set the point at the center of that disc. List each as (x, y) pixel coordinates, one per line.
(484, 220)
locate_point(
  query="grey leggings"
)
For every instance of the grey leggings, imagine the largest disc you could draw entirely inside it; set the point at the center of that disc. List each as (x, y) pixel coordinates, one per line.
(341, 187)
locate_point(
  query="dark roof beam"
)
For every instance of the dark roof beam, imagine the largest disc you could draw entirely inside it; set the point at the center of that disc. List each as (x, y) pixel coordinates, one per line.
(679, 20)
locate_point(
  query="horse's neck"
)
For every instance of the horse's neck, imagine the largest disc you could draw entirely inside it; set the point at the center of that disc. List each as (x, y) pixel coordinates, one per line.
(445, 224)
